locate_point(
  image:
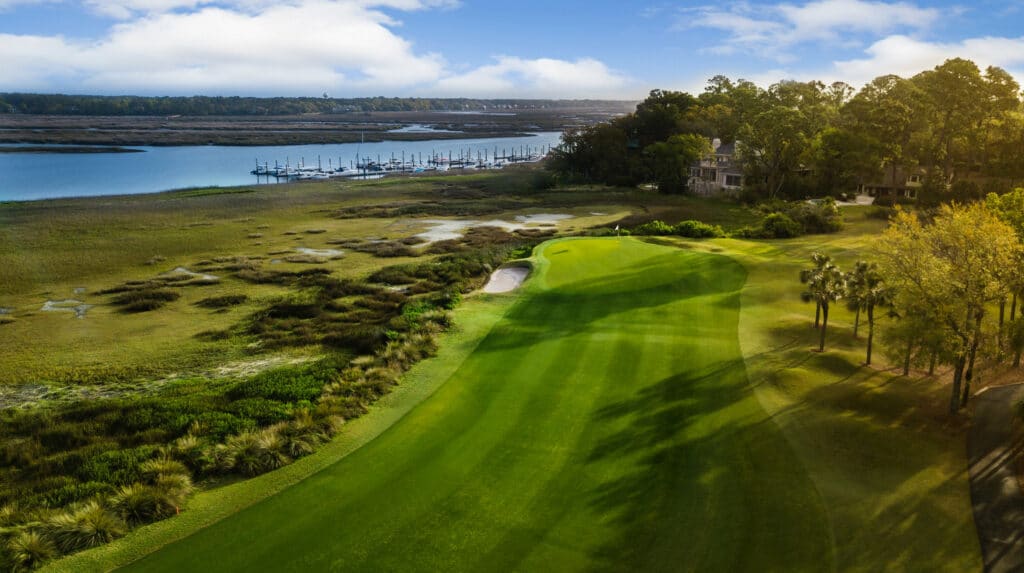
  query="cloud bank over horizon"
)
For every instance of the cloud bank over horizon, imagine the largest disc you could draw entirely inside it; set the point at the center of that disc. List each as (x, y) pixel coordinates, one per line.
(350, 48)
(302, 47)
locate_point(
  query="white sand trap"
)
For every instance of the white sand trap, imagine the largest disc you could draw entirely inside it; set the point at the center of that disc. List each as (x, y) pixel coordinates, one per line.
(70, 305)
(328, 253)
(506, 280)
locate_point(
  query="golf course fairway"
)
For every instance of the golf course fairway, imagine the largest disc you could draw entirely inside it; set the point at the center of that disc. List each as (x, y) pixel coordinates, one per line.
(604, 424)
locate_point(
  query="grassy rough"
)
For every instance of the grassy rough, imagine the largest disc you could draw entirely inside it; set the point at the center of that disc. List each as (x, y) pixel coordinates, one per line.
(523, 459)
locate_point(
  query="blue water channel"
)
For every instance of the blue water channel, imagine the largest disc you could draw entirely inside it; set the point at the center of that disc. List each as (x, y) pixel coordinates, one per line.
(32, 176)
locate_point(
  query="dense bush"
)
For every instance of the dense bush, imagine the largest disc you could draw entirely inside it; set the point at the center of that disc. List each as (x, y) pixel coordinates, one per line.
(261, 410)
(145, 299)
(780, 226)
(282, 385)
(89, 525)
(28, 550)
(222, 301)
(784, 219)
(689, 228)
(655, 228)
(698, 230)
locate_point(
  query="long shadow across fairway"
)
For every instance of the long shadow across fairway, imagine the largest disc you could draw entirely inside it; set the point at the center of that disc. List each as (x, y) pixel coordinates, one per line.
(605, 424)
(714, 482)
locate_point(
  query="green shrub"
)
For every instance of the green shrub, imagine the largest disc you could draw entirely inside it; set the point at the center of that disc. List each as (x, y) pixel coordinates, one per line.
(140, 503)
(222, 301)
(255, 453)
(260, 410)
(780, 226)
(28, 550)
(697, 230)
(117, 467)
(218, 425)
(145, 299)
(290, 384)
(654, 228)
(88, 526)
(71, 493)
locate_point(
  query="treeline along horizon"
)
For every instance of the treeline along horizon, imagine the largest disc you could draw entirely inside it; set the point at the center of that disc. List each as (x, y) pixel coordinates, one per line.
(125, 105)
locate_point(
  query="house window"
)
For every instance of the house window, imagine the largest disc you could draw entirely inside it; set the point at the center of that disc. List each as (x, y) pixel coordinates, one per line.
(914, 179)
(733, 180)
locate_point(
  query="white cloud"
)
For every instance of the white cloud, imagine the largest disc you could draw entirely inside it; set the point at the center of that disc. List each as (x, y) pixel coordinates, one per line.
(303, 47)
(127, 9)
(772, 30)
(6, 5)
(906, 56)
(543, 77)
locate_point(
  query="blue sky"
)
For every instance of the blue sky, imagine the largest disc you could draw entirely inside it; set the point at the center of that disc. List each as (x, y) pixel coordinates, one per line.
(525, 48)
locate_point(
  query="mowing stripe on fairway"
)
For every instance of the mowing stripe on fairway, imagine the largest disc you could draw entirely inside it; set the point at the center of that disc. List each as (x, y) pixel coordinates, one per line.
(605, 423)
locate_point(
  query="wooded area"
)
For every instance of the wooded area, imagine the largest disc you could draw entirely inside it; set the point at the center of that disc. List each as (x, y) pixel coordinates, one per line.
(960, 128)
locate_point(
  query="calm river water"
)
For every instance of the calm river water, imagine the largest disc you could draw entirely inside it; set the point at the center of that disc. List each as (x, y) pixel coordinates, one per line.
(30, 176)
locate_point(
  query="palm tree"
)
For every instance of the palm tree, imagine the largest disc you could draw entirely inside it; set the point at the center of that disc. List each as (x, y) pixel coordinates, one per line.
(873, 292)
(820, 260)
(855, 285)
(825, 285)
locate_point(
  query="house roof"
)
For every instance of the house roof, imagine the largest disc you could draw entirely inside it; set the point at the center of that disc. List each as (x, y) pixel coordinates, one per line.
(726, 149)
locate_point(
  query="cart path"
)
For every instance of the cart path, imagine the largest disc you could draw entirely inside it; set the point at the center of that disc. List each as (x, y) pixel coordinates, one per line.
(995, 494)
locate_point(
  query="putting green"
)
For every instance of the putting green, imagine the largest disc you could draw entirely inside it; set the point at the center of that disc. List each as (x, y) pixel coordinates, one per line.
(605, 423)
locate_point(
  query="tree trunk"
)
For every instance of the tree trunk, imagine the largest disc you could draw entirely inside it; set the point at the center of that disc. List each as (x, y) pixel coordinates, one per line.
(1016, 359)
(856, 322)
(970, 365)
(958, 376)
(1002, 317)
(906, 357)
(871, 330)
(931, 363)
(824, 325)
(817, 314)
(1013, 308)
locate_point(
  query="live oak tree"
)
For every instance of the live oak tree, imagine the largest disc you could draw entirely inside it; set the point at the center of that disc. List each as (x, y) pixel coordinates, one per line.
(949, 269)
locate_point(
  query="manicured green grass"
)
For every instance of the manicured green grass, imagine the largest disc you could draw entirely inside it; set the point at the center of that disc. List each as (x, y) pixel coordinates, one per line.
(605, 423)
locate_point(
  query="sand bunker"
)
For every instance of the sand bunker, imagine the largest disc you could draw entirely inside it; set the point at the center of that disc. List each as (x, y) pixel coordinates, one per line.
(506, 280)
(5, 310)
(70, 305)
(445, 230)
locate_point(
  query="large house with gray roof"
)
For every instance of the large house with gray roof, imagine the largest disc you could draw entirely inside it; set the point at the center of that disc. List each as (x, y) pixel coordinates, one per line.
(717, 172)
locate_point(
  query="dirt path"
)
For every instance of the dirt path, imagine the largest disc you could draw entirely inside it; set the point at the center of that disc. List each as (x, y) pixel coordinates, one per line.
(995, 494)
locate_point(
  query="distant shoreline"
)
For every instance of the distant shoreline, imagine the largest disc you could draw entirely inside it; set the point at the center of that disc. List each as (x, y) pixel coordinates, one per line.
(66, 149)
(303, 129)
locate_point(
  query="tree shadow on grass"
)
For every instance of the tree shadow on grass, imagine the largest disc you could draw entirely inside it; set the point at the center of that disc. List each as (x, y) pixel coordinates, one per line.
(883, 458)
(695, 499)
